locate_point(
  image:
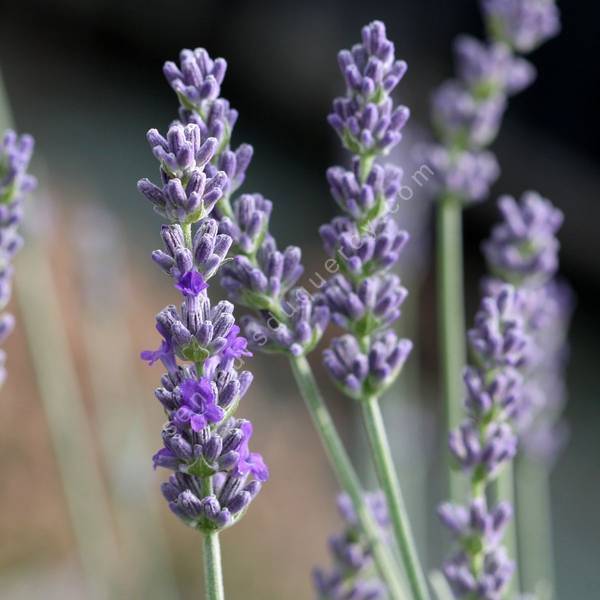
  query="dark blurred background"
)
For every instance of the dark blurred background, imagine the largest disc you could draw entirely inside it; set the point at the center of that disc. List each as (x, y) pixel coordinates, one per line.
(85, 78)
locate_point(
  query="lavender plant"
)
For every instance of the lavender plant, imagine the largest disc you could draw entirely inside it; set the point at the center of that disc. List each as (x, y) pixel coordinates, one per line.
(523, 249)
(466, 113)
(353, 575)
(365, 244)
(501, 394)
(285, 318)
(15, 185)
(215, 475)
(484, 443)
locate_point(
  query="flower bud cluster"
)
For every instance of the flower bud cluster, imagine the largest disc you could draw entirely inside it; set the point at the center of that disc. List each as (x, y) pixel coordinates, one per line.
(364, 298)
(353, 574)
(523, 249)
(485, 442)
(215, 475)
(522, 24)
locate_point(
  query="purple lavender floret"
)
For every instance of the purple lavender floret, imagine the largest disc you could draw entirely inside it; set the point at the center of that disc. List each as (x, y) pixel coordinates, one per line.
(197, 330)
(499, 337)
(197, 79)
(288, 320)
(365, 200)
(364, 252)
(459, 119)
(262, 282)
(365, 119)
(249, 222)
(353, 576)
(187, 194)
(491, 69)
(362, 374)
(466, 175)
(522, 24)
(209, 250)
(483, 454)
(231, 497)
(467, 111)
(374, 304)
(181, 151)
(485, 442)
(497, 571)
(216, 476)
(523, 248)
(477, 520)
(296, 331)
(15, 185)
(217, 119)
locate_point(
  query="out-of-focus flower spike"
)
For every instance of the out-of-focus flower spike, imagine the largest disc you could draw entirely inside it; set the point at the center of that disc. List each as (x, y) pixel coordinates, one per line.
(15, 184)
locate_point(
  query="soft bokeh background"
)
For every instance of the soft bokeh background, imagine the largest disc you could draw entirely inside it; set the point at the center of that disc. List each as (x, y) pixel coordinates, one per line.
(84, 76)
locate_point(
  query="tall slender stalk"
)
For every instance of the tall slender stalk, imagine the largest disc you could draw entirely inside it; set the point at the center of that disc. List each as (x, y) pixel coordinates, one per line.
(534, 526)
(345, 473)
(451, 316)
(68, 424)
(213, 571)
(440, 586)
(388, 479)
(213, 575)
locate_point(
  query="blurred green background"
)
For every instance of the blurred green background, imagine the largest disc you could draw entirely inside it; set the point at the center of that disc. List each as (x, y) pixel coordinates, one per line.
(84, 77)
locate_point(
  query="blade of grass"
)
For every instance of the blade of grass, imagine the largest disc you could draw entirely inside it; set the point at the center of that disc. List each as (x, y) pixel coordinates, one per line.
(68, 423)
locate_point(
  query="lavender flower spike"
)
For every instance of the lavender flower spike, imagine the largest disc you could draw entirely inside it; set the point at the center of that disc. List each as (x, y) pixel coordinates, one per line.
(522, 24)
(523, 249)
(353, 574)
(215, 475)
(467, 111)
(15, 185)
(365, 244)
(485, 443)
(261, 277)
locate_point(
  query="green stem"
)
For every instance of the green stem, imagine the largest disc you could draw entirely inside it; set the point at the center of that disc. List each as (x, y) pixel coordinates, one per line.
(345, 473)
(187, 234)
(388, 479)
(440, 586)
(534, 525)
(366, 163)
(213, 574)
(451, 318)
(68, 423)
